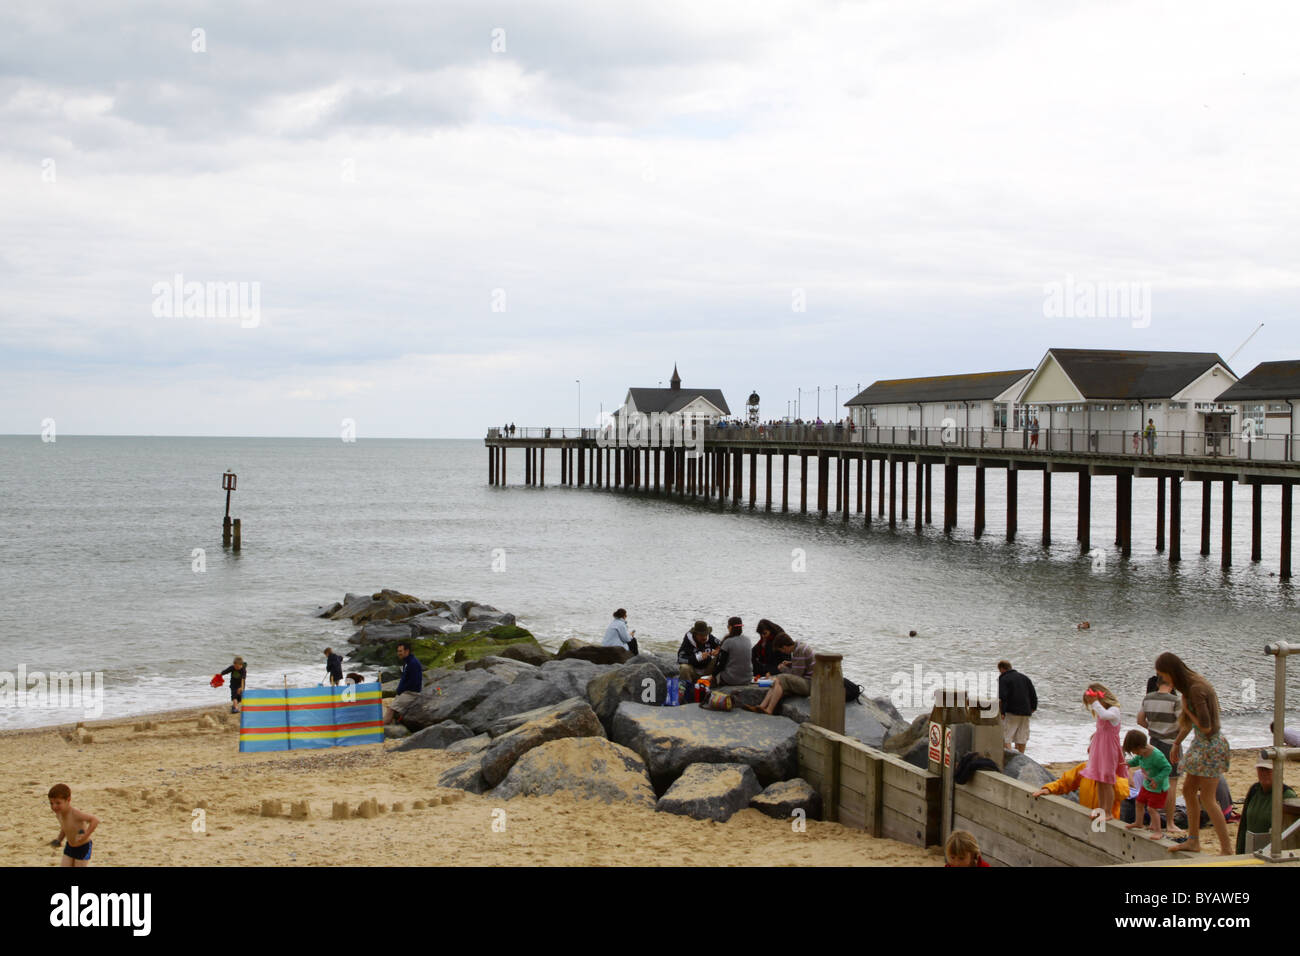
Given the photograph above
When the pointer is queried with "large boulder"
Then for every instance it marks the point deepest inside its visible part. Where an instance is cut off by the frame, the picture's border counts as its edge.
(522, 695)
(459, 696)
(571, 676)
(782, 799)
(383, 633)
(505, 668)
(329, 611)
(711, 791)
(640, 682)
(1022, 768)
(669, 739)
(901, 741)
(865, 721)
(471, 745)
(465, 776)
(528, 653)
(353, 604)
(595, 653)
(591, 767)
(432, 623)
(436, 737)
(667, 666)
(572, 718)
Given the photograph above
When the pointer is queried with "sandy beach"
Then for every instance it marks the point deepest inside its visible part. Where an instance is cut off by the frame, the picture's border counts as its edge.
(144, 785)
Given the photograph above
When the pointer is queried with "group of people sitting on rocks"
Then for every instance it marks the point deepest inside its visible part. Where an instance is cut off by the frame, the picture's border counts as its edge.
(736, 661)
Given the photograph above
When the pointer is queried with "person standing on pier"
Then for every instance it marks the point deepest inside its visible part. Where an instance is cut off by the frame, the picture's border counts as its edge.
(617, 634)
(1017, 702)
(1150, 434)
(1033, 433)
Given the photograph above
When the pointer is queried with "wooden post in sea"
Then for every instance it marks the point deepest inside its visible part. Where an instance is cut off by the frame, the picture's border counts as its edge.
(1207, 497)
(235, 542)
(228, 481)
(1160, 513)
(1175, 519)
(1256, 506)
(1227, 523)
(828, 692)
(1284, 573)
(920, 483)
(1085, 510)
(1047, 505)
(1013, 500)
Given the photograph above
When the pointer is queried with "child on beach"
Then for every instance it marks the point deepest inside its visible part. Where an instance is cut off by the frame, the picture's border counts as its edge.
(962, 850)
(238, 672)
(74, 825)
(1155, 779)
(1104, 750)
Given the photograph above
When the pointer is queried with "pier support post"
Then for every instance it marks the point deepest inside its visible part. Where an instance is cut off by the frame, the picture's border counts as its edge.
(1085, 510)
(1013, 501)
(920, 482)
(929, 484)
(502, 476)
(979, 501)
(847, 464)
(541, 467)
(861, 457)
(582, 466)
(882, 488)
(949, 498)
(1256, 507)
(893, 477)
(827, 703)
(803, 483)
(1175, 520)
(823, 482)
(1047, 508)
(618, 467)
(1207, 494)
(738, 484)
(767, 477)
(902, 499)
(1124, 503)
(839, 478)
(1227, 523)
(866, 479)
(564, 465)
(528, 467)
(656, 454)
(1160, 513)
(492, 461)
(785, 482)
(1284, 573)
(753, 479)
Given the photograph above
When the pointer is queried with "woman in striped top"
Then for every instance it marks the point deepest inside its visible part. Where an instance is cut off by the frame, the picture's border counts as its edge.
(795, 678)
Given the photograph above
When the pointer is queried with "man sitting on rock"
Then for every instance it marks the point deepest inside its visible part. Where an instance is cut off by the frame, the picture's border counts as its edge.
(698, 653)
(412, 677)
(795, 679)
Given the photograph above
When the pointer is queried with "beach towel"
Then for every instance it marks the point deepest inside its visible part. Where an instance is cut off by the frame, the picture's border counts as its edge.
(306, 718)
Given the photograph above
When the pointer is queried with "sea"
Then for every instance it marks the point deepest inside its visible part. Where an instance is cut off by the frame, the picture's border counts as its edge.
(111, 564)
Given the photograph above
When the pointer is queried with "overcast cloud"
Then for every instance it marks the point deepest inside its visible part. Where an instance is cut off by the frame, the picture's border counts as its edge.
(627, 188)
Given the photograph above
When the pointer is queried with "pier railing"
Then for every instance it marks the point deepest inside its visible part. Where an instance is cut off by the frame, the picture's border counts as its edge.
(1111, 442)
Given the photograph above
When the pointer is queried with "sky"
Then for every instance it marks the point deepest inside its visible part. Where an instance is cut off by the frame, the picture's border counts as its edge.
(440, 217)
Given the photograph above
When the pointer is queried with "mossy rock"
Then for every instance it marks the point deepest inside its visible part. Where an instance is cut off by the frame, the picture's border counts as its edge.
(462, 647)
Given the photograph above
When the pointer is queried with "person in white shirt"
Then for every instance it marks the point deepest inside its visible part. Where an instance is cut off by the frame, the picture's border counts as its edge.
(617, 634)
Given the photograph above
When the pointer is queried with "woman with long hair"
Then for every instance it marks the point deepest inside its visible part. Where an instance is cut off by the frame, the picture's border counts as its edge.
(765, 657)
(1208, 758)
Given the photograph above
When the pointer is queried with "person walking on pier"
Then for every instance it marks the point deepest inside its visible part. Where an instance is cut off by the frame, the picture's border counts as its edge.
(1017, 701)
(1033, 433)
(1208, 757)
(617, 634)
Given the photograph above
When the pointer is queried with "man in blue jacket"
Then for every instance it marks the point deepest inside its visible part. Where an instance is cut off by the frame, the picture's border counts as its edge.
(412, 677)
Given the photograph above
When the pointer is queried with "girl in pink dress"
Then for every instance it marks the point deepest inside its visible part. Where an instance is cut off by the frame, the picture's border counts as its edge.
(1104, 753)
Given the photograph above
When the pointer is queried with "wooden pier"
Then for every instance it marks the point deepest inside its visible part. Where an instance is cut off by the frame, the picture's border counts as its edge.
(713, 468)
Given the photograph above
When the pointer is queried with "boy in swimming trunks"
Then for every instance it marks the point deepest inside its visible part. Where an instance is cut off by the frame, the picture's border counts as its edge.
(75, 826)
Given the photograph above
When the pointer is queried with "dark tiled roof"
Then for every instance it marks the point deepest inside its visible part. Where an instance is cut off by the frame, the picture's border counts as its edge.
(1133, 375)
(1265, 381)
(674, 399)
(979, 386)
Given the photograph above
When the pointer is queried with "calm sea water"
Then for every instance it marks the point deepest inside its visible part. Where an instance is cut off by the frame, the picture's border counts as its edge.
(96, 573)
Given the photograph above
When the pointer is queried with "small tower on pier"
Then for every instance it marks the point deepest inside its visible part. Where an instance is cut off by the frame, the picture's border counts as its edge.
(751, 409)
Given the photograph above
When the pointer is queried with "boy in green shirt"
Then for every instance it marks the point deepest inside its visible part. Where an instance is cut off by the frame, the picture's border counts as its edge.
(1155, 779)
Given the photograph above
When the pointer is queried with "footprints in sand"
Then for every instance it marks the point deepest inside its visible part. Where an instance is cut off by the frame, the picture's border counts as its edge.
(171, 797)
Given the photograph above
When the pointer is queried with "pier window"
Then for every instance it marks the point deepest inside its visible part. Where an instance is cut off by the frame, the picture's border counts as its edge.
(1178, 406)
(999, 414)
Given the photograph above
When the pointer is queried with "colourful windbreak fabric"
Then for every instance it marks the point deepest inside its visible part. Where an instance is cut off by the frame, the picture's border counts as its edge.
(305, 718)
